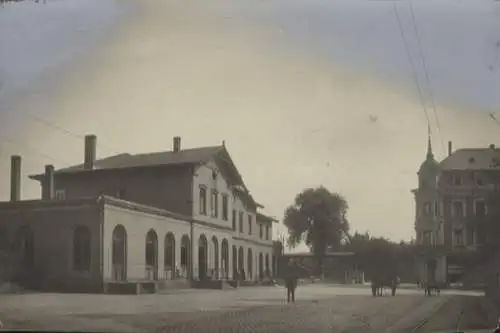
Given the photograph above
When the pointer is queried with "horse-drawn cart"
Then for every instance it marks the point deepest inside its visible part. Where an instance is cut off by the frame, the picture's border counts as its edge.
(379, 283)
(432, 286)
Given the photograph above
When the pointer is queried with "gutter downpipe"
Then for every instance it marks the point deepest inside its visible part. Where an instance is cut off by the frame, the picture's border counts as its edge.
(191, 231)
(100, 209)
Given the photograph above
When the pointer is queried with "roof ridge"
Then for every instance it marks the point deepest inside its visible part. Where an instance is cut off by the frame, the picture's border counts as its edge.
(182, 150)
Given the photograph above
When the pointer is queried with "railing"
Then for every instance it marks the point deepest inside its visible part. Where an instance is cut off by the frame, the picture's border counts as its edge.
(151, 273)
(169, 274)
(118, 272)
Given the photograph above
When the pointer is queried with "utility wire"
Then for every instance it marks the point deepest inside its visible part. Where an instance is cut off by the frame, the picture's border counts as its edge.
(14, 143)
(410, 60)
(426, 72)
(62, 129)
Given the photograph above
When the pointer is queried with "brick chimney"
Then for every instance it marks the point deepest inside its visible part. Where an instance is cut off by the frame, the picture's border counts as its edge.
(90, 152)
(177, 144)
(48, 183)
(15, 178)
(450, 150)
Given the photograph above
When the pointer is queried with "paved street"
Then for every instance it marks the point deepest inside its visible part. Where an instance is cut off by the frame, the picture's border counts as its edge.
(321, 308)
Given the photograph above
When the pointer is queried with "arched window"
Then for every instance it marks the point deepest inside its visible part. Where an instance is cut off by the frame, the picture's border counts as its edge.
(81, 249)
(169, 256)
(151, 255)
(119, 253)
(250, 263)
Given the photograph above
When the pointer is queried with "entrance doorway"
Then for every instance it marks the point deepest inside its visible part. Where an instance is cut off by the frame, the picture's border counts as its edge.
(119, 254)
(202, 257)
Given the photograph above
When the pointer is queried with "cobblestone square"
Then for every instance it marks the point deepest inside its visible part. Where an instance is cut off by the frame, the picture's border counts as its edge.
(321, 308)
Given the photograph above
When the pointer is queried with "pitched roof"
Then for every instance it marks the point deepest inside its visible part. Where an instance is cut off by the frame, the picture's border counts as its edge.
(265, 218)
(169, 158)
(122, 161)
(472, 159)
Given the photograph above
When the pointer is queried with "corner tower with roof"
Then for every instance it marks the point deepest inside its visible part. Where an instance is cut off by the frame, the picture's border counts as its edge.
(429, 227)
(454, 204)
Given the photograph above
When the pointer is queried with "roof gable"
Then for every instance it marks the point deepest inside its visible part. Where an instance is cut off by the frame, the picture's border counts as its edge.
(233, 176)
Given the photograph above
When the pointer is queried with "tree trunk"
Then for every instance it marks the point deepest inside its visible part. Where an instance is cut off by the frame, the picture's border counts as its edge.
(320, 268)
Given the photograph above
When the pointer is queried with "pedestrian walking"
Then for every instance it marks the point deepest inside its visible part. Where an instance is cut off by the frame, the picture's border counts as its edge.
(291, 277)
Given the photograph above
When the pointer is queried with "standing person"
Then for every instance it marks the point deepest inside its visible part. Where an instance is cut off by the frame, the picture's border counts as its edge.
(291, 276)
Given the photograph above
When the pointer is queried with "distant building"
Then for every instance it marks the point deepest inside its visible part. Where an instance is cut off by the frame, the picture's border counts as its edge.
(453, 204)
(182, 215)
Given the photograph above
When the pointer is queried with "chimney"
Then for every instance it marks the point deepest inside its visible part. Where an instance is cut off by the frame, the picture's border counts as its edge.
(48, 183)
(90, 148)
(449, 148)
(15, 178)
(177, 144)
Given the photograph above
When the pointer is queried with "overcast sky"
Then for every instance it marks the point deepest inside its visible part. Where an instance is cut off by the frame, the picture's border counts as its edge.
(304, 92)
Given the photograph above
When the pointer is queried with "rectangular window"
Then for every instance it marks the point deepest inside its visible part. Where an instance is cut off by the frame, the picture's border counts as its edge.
(427, 238)
(234, 219)
(214, 204)
(241, 221)
(268, 228)
(60, 195)
(436, 208)
(203, 200)
(480, 208)
(479, 179)
(458, 209)
(470, 235)
(458, 237)
(249, 224)
(225, 207)
(427, 208)
(457, 180)
(261, 231)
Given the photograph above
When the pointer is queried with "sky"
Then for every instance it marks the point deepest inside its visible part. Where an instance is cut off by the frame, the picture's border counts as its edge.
(304, 93)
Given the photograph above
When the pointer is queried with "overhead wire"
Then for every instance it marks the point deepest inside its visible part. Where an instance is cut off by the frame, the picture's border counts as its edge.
(493, 67)
(426, 73)
(29, 148)
(62, 129)
(413, 68)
